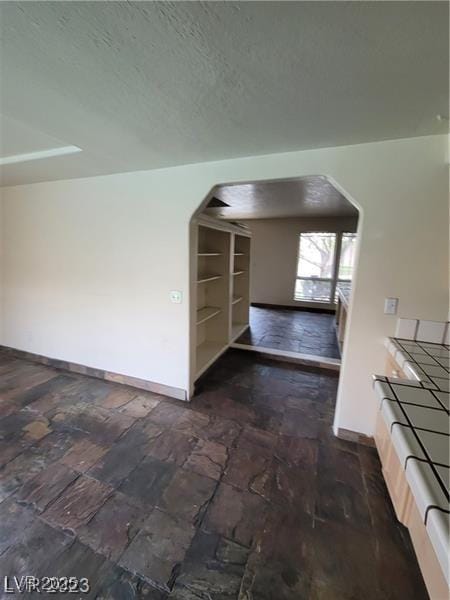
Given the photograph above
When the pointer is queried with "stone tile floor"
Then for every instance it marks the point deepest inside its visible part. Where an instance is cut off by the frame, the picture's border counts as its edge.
(293, 330)
(243, 494)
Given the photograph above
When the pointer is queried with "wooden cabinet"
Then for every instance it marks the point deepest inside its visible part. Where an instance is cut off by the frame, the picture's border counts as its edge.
(408, 514)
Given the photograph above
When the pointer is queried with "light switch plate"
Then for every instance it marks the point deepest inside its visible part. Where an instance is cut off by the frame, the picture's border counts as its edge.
(390, 306)
(176, 296)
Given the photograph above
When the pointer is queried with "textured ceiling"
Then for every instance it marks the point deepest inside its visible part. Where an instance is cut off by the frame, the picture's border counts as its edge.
(140, 85)
(312, 196)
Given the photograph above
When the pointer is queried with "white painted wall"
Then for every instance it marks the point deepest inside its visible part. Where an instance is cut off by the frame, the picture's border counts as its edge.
(274, 255)
(88, 263)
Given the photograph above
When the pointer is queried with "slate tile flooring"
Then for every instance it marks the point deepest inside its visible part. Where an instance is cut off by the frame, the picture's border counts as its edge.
(243, 494)
(293, 330)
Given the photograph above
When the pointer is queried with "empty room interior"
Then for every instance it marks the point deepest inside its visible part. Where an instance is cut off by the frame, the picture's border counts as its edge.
(224, 300)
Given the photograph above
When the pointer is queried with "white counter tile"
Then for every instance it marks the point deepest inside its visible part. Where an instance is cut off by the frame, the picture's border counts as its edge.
(431, 331)
(436, 445)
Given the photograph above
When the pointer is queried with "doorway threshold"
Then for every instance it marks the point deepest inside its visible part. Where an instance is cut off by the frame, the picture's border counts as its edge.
(310, 360)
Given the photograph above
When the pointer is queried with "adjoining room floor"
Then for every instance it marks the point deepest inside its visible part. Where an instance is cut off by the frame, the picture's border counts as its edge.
(244, 493)
(293, 330)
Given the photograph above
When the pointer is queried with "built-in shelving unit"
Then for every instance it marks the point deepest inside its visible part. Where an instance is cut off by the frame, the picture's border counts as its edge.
(206, 278)
(206, 313)
(240, 286)
(220, 289)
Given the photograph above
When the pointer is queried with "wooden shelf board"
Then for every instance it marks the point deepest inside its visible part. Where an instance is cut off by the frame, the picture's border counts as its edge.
(239, 253)
(206, 313)
(237, 329)
(236, 299)
(206, 278)
(209, 254)
(238, 272)
(207, 353)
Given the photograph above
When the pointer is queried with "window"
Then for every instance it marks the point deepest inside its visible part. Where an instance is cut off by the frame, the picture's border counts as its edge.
(346, 261)
(319, 254)
(315, 267)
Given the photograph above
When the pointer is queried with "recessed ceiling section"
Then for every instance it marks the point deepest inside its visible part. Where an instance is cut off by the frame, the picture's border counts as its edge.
(312, 196)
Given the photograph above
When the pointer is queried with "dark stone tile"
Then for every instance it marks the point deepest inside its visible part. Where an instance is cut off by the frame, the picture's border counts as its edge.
(12, 426)
(350, 571)
(299, 452)
(310, 523)
(9, 450)
(117, 397)
(209, 428)
(82, 455)
(40, 543)
(15, 521)
(147, 482)
(125, 455)
(46, 486)
(219, 403)
(25, 466)
(55, 383)
(107, 432)
(254, 439)
(338, 501)
(207, 458)
(294, 489)
(77, 560)
(119, 584)
(158, 549)
(280, 566)
(235, 514)
(300, 423)
(113, 526)
(167, 414)
(81, 416)
(341, 494)
(213, 568)
(173, 446)
(141, 405)
(78, 503)
(247, 467)
(187, 495)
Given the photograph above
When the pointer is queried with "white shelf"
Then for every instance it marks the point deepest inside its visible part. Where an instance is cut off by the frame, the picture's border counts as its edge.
(206, 313)
(207, 353)
(222, 307)
(205, 278)
(237, 329)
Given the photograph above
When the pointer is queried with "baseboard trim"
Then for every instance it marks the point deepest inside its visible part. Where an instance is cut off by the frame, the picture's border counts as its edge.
(135, 382)
(313, 309)
(309, 360)
(354, 436)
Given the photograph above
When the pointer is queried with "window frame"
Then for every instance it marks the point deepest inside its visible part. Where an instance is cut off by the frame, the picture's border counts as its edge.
(334, 279)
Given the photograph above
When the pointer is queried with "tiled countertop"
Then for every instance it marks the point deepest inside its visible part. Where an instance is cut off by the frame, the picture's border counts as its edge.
(416, 412)
(422, 361)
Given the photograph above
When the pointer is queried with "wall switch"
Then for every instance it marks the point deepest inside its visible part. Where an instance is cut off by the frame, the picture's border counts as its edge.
(176, 297)
(390, 306)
